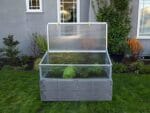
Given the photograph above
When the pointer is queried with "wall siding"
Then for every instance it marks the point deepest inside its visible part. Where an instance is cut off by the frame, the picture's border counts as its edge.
(134, 23)
(15, 20)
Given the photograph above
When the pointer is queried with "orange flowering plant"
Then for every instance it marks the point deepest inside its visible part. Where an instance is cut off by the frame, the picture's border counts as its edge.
(135, 46)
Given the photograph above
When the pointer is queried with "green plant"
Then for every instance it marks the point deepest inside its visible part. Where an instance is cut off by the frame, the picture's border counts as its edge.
(27, 62)
(40, 42)
(1, 61)
(136, 66)
(7, 67)
(10, 50)
(145, 69)
(119, 68)
(69, 72)
(55, 72)
(95, 71)
(1, 52)
(90, 72)
(116, 14)
(36, 64)
(82, 72)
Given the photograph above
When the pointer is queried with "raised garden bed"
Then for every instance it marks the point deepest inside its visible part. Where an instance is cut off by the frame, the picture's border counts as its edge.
(73, 69)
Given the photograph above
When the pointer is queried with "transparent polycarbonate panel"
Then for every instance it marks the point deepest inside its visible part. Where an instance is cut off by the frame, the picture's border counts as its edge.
(77, 37)
(75, 72)
(76, 58)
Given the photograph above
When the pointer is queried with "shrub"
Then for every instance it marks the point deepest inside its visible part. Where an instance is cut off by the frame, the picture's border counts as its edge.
(27, 62)
(69, 72)
(119, 68)
(10, 50)
(1, 61)
(1, 52)
(40, 42)
(136, 66)
(135, 47)
(36, 64)
(7, 67)
(145, 69)
(116, 14)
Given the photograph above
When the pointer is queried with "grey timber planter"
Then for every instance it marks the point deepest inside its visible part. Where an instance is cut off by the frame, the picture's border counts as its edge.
(76, 89)
(86, 46)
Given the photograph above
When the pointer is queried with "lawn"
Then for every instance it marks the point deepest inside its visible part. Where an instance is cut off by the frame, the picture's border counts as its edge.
(19, 93)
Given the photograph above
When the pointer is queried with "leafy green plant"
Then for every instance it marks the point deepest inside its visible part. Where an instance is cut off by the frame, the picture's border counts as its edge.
(119, 68)
(36, 64)
(10, 50)
(55, 72)
(90, 72)
(69, 72)
(40, 42)
(116, 14)
(82, 72)
(95, 71)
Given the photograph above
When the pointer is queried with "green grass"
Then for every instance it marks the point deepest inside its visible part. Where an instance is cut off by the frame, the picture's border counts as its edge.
(19, 93)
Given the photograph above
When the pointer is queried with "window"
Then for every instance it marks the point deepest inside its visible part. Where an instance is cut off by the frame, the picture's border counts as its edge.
(68, 11)
(34, 5)
(144, 19)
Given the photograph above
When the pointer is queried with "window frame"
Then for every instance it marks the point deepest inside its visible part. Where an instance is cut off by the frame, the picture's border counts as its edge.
(59, 13)
(34, 10)
(138, 26)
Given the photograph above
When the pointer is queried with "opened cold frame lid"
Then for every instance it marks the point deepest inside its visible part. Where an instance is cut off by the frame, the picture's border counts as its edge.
(77, 37)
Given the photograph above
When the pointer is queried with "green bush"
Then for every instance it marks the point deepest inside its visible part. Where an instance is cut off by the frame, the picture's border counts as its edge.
(69, 72)
(7, 67)
(36, 64)
(136, 66)
(40, 42)
(119, 68)
(116, 14)
(27, 62)
(145, 69)
(10, 49)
